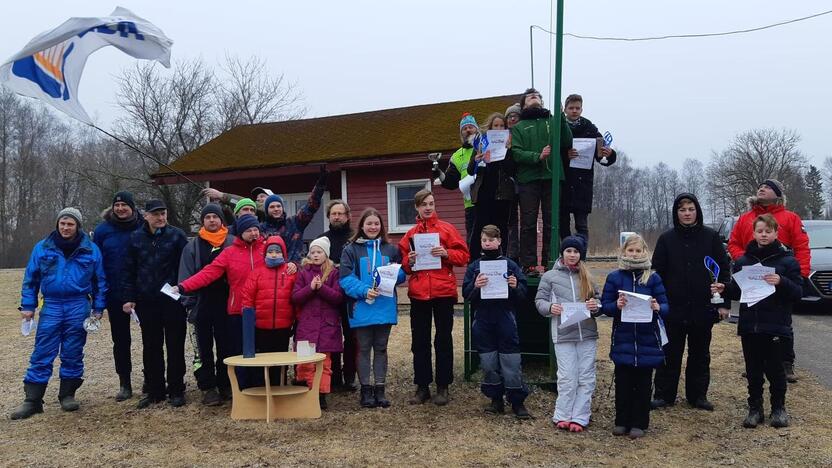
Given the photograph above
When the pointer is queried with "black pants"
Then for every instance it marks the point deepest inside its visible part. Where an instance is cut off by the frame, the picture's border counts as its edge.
(345, 372)
(763, 356)
(270, 341)
(581, 224)
(470, 214)
(513, 243)
(698, 370)
(163, 333)
(120, 333)
(535, 197)
(212, 327)
(494, 212)
(632, 396)
(441, 311)
(787, 347)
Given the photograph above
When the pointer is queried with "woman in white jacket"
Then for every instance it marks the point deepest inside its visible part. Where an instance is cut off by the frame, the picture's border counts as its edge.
(567, 282)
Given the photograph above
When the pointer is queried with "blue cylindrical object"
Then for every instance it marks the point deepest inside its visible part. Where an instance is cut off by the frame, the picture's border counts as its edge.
(248, 332)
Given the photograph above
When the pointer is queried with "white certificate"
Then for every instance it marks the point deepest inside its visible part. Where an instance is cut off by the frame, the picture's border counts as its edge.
(465, 186)
(586, 153)
(750, 280)
(389, 274)
(497, 285)
(423, 244)
(497, 144)
(638, 308)
(168, 290)
(573, 312)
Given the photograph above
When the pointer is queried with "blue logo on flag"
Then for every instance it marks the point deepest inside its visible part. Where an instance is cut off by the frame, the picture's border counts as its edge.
(46, 69)
(607, 139)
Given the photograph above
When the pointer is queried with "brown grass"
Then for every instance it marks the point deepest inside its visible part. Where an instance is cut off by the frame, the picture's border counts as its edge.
(106, 433)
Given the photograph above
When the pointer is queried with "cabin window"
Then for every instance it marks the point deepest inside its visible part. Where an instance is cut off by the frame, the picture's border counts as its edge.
(401, 211)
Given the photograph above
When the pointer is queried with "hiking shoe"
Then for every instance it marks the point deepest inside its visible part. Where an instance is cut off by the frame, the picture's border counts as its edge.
(636, 433)
(381, 400)
(779, 417)
(148, 400)
(177, 400)
(421, 395)
(619, 431)
(660, 403)
(755, 417)
(125, 389)
(211, 397)
(703, 403)
(520, 411)
(367, 399)
(497, 406)
(441, 398)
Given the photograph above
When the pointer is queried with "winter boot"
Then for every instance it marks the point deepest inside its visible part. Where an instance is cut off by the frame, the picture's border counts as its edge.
(33, 403)
(226, 394)
(211, 397)
(125, 389)
(367, 400)
(349, 383)
(441, 398)
(779, 417)
(520, 411)
(422, 395)
(66, 394)
(381, 400)
(497, 406)
(322, 401)
(755, 415)
(791, 377)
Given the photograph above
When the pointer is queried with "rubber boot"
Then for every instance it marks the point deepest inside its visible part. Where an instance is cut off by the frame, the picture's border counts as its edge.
(381, 400)
(32, 403)
(421, 395)
(66, 394)
(125, 389)
(755, 414)
(367, 400)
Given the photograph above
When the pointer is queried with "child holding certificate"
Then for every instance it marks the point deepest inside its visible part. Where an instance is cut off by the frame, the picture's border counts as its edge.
(764, 324)
(636, 347)
(495, 327)
(567, 295)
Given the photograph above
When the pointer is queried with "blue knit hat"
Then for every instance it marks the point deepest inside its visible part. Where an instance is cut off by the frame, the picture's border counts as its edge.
(575, 242)
(245, 222)
(271, 199)
(467, 119)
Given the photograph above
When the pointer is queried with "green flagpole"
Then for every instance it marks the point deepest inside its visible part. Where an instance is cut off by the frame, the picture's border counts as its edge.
(556, 137)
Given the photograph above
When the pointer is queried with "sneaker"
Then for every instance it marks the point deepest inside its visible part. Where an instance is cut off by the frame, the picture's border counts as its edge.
(562, 425)
(211, 397)
(497, 406)
(619, 431)
(575, 427)
(520, 411)
(636, 433)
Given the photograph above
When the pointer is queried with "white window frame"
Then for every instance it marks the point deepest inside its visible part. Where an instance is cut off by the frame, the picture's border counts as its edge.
(289, 200)
(393, 206)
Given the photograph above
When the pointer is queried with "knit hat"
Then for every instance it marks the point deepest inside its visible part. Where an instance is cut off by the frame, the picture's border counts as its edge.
(125, 197)
(274, 248)
(245, 222)
(244, 202)
(467, 119)
(211, 208)
(774, 185)
(576, 243)
(513, 109)
(322, 243)
(69, 212)
(273, 198)
(526, 93)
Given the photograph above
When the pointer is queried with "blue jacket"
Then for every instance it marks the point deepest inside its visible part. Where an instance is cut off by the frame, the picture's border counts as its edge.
(59, 278)
(634, 344)
(516, 296)
(358, 261)
(112, 238)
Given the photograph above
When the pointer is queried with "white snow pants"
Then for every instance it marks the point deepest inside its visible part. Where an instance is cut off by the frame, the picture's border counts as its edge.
(576, 381)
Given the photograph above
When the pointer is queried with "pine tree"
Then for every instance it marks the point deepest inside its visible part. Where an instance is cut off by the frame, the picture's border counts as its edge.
(814, 193)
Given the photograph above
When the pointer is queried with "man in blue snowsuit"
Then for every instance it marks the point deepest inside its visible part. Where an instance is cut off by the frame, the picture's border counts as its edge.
(67, 269)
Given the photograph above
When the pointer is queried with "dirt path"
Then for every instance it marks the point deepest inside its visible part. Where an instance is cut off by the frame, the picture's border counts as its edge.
(106, 433)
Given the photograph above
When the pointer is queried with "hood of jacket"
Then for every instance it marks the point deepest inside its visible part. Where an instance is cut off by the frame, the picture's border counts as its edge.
(531, 113)
(700, 218)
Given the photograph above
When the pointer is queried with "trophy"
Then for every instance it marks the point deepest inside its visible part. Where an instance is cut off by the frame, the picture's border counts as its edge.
(713, 269)
(376, 282)
(434, 158)
(607, 143)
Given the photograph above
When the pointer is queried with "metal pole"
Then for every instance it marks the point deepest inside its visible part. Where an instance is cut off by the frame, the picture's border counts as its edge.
(531, 52)
(556, 137)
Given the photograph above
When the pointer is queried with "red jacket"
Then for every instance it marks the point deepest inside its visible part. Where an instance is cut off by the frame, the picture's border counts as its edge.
(431, 284)
(269, 292)
(790, 232)
(236, 261)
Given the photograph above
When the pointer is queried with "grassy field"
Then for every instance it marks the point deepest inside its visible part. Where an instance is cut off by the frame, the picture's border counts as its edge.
(107, 433)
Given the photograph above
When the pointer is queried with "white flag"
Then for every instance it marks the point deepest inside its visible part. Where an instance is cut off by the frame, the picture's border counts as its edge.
(50, 66)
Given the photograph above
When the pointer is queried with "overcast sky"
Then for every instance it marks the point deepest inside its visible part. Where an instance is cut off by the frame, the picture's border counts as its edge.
(663, 100)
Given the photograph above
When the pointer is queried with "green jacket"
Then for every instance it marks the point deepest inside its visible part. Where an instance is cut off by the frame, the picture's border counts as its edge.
(458, 170)
(528, 138)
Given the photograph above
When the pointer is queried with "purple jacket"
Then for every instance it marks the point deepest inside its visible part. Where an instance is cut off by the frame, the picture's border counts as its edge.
(319, 312)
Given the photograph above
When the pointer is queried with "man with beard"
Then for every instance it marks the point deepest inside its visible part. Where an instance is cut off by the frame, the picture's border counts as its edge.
(771, 199)
(530, 149)
(207, 310)
(338, 213)
(456, 175)
(112, 237)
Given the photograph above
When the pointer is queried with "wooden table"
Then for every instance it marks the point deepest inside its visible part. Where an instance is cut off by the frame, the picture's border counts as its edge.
(279, 401)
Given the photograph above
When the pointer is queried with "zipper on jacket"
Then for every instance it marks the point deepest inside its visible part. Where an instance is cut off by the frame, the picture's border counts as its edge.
(574, 299)
(635, 326)
(274, 303)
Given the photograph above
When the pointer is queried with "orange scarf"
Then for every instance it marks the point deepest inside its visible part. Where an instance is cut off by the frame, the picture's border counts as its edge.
(216, 239)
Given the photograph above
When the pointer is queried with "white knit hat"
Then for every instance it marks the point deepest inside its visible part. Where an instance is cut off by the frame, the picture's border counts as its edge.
(322, 243)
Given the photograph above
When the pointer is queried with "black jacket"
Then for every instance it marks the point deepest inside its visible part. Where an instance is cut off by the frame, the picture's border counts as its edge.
(577, 189)
(495, 181)
(338, 238)
(772, 315)
(679, 258)
(151, 261)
